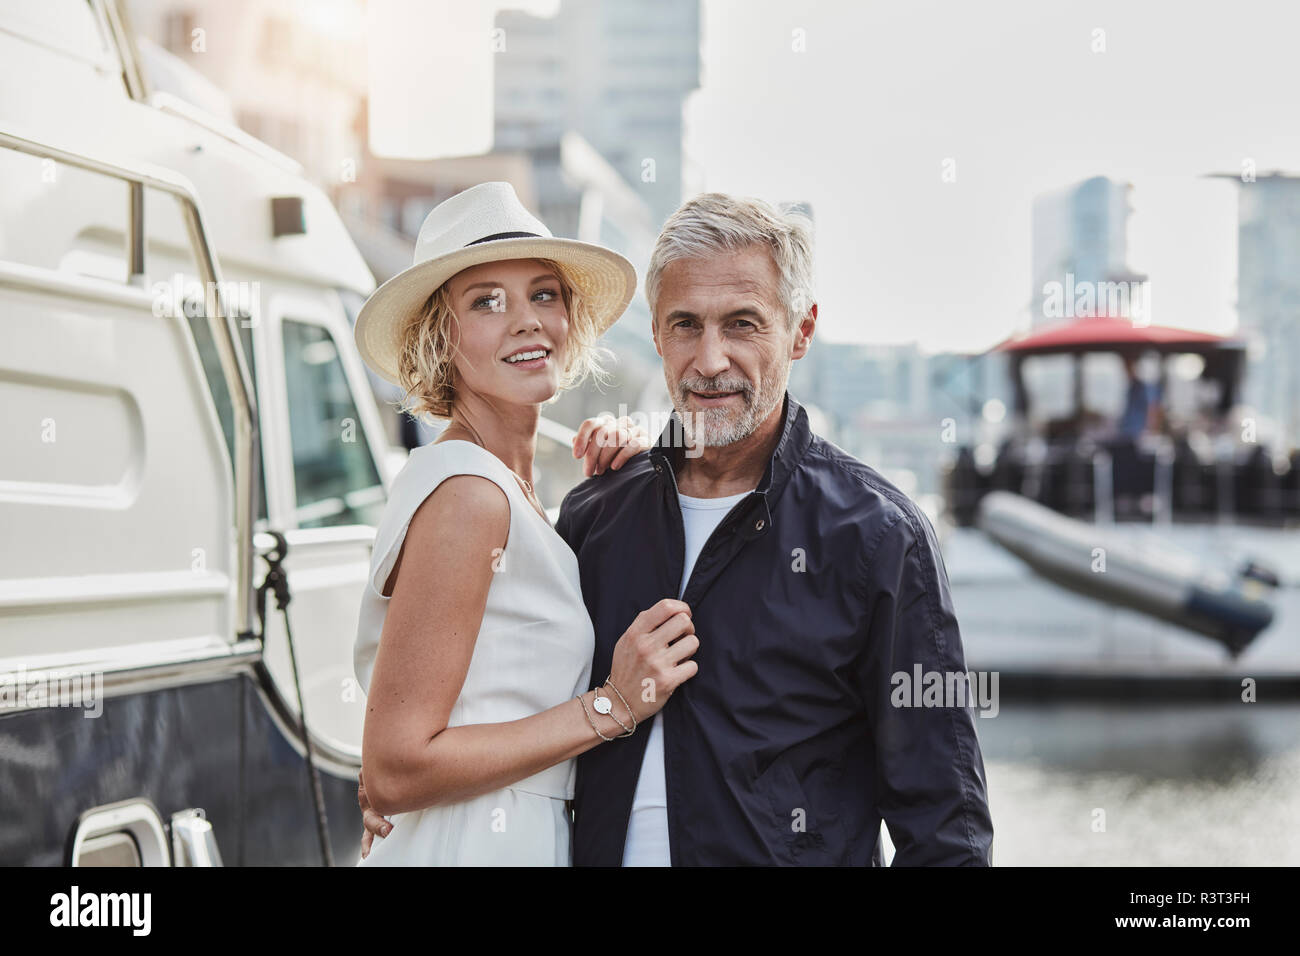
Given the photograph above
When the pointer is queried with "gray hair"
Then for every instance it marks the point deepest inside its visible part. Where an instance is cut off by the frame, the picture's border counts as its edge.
(715, 222)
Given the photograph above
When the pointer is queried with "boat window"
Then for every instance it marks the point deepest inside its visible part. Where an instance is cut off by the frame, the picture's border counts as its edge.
(397, 424)
(1105, 386)
(1049, 386)
(211, 362)
(174, 286)
(335, 476)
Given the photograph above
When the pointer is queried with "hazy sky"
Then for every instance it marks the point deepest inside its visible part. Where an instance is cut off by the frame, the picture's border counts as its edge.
(861, 122)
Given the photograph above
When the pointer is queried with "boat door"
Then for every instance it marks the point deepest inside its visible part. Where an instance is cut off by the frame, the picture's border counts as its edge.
(325, 446)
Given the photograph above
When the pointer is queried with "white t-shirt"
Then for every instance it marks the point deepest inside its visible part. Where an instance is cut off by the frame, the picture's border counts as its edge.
(647, 828)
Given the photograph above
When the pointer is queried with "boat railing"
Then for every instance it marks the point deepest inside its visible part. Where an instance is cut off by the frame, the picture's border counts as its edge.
(1103, 482)
(1160, 479)
(234, 367)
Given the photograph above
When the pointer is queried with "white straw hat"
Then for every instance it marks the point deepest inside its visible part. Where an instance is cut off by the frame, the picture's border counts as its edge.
(485, 223)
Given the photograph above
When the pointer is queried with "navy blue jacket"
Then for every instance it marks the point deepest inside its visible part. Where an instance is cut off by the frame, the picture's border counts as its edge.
(784, 748)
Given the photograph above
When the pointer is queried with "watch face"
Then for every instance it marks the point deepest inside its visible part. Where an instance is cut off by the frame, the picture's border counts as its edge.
(602, 705)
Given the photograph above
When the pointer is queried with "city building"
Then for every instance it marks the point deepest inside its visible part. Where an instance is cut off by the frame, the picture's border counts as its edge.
(615, 71)
(1080, 241)
(1268, 301)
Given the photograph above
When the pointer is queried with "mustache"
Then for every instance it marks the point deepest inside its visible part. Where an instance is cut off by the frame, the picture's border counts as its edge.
(716, 384)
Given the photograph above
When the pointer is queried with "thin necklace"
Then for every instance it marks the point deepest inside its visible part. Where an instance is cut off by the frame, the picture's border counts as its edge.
(528, 485)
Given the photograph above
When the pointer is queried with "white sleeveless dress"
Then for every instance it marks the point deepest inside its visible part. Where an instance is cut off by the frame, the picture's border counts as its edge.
(533, 651)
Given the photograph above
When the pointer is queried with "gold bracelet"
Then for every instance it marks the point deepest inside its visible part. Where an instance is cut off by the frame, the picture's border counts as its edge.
(592, 722)
(610, 681)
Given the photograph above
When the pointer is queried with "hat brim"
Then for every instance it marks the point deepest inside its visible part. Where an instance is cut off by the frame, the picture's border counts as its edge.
(606, 279)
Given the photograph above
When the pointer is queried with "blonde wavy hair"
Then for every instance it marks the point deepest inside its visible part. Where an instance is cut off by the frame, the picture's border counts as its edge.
(425, 361)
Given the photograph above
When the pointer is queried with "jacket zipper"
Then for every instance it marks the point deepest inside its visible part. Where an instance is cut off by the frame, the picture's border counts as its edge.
(680, 528)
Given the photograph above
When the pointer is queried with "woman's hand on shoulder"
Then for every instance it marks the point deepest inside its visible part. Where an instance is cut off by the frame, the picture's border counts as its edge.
(608, 442)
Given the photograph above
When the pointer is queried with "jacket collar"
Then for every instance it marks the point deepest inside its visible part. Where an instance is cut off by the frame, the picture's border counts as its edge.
(796, 436)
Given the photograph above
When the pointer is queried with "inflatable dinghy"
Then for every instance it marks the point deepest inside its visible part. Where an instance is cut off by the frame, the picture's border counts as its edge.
(1155, 579)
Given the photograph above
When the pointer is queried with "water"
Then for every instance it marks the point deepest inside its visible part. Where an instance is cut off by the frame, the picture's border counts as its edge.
(1179, 783)
(1194, 785)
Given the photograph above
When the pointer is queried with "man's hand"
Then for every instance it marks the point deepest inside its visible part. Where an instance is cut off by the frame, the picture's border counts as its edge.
(606, 442)
(373, 822)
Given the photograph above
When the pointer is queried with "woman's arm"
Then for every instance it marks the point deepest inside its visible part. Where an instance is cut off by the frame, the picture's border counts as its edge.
(410, 758)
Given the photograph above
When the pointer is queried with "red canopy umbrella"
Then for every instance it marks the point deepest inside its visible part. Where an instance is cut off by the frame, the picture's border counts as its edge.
(1102, 333)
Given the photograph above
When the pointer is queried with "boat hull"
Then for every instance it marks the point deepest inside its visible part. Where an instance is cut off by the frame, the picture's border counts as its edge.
(178, 747)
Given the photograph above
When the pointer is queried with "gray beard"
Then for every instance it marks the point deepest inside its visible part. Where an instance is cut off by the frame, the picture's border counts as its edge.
(714, 427)
(717, 427)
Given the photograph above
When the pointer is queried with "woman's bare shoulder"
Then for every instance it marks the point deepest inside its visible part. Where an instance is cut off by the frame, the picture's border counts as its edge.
(464, 515)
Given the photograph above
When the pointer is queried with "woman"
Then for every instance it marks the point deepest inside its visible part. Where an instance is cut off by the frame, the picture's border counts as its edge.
(473, 640)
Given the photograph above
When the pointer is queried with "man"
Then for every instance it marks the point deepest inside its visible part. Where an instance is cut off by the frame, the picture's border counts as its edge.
(811, 580)
(1141, 415)
(1141, 403)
